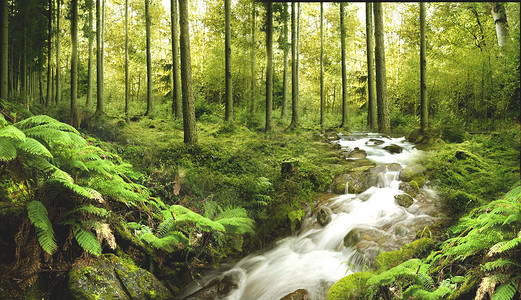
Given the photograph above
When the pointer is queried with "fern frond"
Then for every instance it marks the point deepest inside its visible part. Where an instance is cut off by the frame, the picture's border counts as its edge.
(505, 292)
(49, 135)
(7, 149)
(499, 263)
(93, 210)
(39, 163)
(514, 195)
(426, 281)
(88, 241)
(509, 245)
(37, 214)
(238, 225)
(48, 121)
(79, 190)
(12, 133)
(33, 147)
(169, 243)
(165, 227)
(3, 122)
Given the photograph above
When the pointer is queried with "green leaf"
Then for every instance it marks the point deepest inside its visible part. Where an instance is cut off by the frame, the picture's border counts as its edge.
(87, 240)
(34, 147)
(37, 214)
(12, 133)
(7, 149)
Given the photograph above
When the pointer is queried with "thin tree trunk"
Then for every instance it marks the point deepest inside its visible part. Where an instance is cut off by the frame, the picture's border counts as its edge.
(127, 83)
(284, 112)
(189, 125)
(49, 45)
(4, 57)
(252, 100)
(424, 124)
(500, 19)
(228, 62)
(269, 67)
(58, 64)
(74, 64)
(322, 100)
(344, 68)
(294, 70)
(100, 104)
(149, 59)
(24, 66)
(177, 105)
(371, 93)
(88, 103)
(384, 125)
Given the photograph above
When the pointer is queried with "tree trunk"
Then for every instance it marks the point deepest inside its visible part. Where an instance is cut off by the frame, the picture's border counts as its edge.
(294, 71)
(74, 63)
(424, 123)
(384, 125)
(49, 45)
(228, 116)
(284, 112)
(24, 65)
(189, 125)
(4, 57)
(127, 83)
(269, 67)
(177, 108)
(88, 103)
(372, 120)
(58, 64)
(100, 106)
(344, 68)
(149, 59)
(252, 100)
(500, 19)
(322, 100)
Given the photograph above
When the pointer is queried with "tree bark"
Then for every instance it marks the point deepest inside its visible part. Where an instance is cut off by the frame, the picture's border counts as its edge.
(344, 68)
(294, 71)
(252, 100)
(228, 62)
(100, 106)
(4, 57)
(284, 110)
(149, 59)
(88, 103)
(372, 120)
(177, 108)
(74, 63)
(189, 125)
(322, 100)
(424, 123)
(500, 19)
(127, 83)
(58, 63)
(384, 125)
(269, 67)
(49, 45)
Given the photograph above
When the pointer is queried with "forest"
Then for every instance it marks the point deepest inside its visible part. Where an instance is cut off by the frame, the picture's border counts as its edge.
(256, 149)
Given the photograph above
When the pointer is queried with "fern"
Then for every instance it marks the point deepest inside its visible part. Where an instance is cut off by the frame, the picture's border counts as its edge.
(505, 292)
(169, 243)
(497, 264)
(426, 281)
(93, 210)
(12, 133)
(33, 147)
(37, 214)
(7, 150)
(87, 240)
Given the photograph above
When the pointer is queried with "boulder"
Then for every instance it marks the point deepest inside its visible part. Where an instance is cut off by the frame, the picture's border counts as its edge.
(109, 277)
(404, 200)
(300, 294)
(358, 234)
(339, 184)
(361, 179)
(324, 216)
(411, 188)
(375, 142)
(394, 167)
(336, 146)
(228, 284)
(413, 173)
(357, 153)
(393, 149)
(217, 288)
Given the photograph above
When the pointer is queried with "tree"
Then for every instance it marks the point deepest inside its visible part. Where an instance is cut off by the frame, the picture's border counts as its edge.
(322, 100)
(90, 33)
(177, 108)
(127, 83)
(189, 126)
(269, 67)
(294, 71)
(384, 125)
(49, 45)
(500, 19)
(74, 64)
(424, 124)
(149, 59)
(100, 107)
(58, 62)
(372, 120)
(285, 46)
(228, 62)
(4, 41)
(252, 100)
(344, 67)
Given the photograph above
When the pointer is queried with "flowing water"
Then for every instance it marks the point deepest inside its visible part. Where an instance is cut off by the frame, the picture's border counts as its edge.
(316, 257)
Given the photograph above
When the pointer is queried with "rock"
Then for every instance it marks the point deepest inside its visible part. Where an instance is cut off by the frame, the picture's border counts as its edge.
(413, 173)
(404, 200)
(109, 277)
(393, 149)
(339, 184)
(411, 188)
(228, 283)
(324, 216)
(357, 153)
(217, 288)
(375, 142)
(300, 294)
(361, 179)
(358, 234)
(394, 167)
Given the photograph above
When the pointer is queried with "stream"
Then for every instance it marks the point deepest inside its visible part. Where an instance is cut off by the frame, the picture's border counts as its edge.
(361, 226)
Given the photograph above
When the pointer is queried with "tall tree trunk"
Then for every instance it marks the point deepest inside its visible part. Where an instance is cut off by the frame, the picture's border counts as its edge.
(74, 63)
(284, 112)
(100, 103)
(252, 100)
(88, 103)
(4, 57)
(500, 19)
(24, 64)
(127, 83)
(322, 100)
(228, 62)
(294, 70)
(372, 120)
(58, 64)
(384, 125)
(344, 68)
(149, 59)
(269, 67)
(189, 125)
(49, 45)
(177, 108)
(424, 124)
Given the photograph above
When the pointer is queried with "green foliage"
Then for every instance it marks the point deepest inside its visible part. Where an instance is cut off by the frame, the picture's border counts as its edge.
(350, 287)
(87, 240)
(387, 260)
(37, 214)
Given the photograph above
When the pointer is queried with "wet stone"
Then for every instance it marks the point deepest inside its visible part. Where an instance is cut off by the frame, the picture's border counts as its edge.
(357, 153)
(324, 216)
(404, 200)
(300, 294)
(394, 167)
(375, 142)
(393, 149)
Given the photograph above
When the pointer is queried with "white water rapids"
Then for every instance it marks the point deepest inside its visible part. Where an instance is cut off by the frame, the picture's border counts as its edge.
(315, 258)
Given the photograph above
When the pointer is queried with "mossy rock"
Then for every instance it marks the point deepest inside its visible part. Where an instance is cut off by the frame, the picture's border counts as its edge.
(110, 277)
(404, 200)
(411, 188)
(300, 294)
(350, 287)
(387, 260)
(413, 173)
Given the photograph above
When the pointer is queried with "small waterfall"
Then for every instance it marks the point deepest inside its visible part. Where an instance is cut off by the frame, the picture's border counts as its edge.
(361, 226)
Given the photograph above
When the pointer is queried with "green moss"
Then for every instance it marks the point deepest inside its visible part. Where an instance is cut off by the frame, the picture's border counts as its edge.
(415, 186)
(387, 260)
(350, 287)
